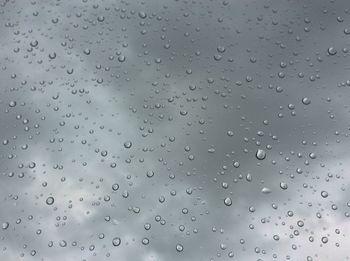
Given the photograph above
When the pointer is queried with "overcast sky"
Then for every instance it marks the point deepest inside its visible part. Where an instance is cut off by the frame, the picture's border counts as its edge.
(174, 130)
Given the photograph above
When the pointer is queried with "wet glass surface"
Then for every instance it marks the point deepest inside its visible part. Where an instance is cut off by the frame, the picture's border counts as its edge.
(174, 130)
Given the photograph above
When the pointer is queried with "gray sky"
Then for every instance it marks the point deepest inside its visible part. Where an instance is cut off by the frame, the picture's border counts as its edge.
(197, 87)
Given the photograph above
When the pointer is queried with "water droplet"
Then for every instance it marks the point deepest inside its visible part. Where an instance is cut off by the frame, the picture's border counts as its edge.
(127, 144)
(324, 194)
(179, 248)
(300, 223)
(87, 51)
(145, 241)
(115, 187)
(52, 55)
(306, 101)
(211, 150)
(331, 51)
(116, 241)
(5, 225)
(121, 58)
(142, 15)
(283, 185)
(150, 173)
(276, 237)
(260, 154)
(266, 190)
(63, 243)
(100, 18)
(312, 155)
(50, 200)
(228, 201)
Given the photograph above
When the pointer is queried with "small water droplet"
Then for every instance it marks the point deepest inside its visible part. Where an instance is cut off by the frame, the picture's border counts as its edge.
(179, 248)
(266, 190)
(331, 51)
(142, 15)
(324, 194)
(115, 187)
(306, 101)
(5, 225)
(127, 144)
(283, 185)
(121, 58)
(63, 243)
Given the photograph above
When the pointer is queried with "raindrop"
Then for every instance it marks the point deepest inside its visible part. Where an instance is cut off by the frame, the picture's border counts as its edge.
(324, 194)
(150, 173)
(306, 101)
(121, 58)
(50, 200)
(142, 15)
(260, 154)
(62, 243)
(5, 225)
(266, 190)
(145, 241)
(87, 51)
(228, 201)
(331, 51)
(115, 187)
(283, 185)
(324, 240)
(179, 248)
(127, 144)
(116, 241)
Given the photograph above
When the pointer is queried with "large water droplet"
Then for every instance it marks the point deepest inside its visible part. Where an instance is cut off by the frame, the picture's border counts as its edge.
(50, 200)
(228, 201)
(116, 241)
(260, 154)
